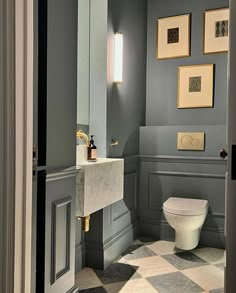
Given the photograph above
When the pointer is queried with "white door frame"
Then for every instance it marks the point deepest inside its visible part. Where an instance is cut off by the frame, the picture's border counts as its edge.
(16, 134)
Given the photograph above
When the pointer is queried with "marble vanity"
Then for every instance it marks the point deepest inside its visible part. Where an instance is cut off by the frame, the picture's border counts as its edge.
(99, 184)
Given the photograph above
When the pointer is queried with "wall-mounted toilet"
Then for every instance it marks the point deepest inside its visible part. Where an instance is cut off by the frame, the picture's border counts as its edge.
(186, 216)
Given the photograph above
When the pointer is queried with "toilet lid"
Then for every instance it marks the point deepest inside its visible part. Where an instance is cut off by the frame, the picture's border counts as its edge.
(185, 206)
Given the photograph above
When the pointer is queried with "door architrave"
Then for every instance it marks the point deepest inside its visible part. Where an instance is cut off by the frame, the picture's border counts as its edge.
(16, 134)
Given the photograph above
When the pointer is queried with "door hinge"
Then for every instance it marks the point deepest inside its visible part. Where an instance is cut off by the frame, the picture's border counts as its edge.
(35, 161)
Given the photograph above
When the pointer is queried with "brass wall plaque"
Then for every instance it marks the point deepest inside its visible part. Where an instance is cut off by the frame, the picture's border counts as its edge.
(191, 141)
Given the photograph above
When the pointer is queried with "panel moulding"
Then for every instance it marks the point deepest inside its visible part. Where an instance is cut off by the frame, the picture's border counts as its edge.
(113, 220)
(183, 159)
(180, 174)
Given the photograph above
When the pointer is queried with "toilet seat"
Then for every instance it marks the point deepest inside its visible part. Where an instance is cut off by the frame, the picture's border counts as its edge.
(185, 206)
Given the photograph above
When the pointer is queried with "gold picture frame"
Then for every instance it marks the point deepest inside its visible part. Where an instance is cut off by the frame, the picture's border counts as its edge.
(195, 86)
(216, 31)
(173, 37)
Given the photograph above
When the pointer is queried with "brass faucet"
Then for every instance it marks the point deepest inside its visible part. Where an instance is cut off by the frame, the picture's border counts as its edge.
(80, 134)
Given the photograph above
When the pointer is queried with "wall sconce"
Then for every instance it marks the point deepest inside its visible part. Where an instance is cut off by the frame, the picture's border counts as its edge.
(118, 58)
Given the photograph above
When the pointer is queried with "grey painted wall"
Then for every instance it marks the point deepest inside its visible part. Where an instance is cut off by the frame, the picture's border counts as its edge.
(165, 171)
(126, 101)
(162, 140)
(162, 74)
(114, 228)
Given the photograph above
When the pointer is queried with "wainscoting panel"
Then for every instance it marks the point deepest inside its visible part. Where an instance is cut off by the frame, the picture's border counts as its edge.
(123, 213)
(190, 177)
(129, 203)
(79, 246)
(56, 255)
(162, 185)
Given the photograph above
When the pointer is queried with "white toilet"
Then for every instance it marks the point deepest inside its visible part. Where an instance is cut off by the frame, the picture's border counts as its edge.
(186, 216)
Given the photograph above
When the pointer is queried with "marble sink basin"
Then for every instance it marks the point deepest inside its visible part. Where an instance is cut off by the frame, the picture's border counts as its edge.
(99, 184)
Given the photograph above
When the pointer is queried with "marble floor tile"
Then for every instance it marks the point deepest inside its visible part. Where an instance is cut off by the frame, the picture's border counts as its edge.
(184, 260)
(133, 286)
(163, 247)
(221, 266)
(210, 255)
(87, 278)
(114, 287)
(138, 286)
(174, 283)
(208, 277)
(137, 251)
(217, 291)
(117, 272)
(93, 290)
(137, 241)
(121, 259)
(153, 265)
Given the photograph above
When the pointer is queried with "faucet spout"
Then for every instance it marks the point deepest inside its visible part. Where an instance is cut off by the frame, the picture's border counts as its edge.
(80, 134)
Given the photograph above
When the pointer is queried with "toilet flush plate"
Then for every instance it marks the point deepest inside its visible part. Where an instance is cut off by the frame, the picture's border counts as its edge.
(192, 141)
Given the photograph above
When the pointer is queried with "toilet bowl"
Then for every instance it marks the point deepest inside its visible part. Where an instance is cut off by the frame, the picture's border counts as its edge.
(186, 216)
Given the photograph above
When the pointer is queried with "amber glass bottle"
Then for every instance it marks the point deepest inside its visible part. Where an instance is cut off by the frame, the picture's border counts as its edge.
(92, 150)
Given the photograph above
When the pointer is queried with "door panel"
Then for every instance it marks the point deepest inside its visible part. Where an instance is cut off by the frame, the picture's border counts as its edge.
(60, 236)
(56, 232)
(61, 226)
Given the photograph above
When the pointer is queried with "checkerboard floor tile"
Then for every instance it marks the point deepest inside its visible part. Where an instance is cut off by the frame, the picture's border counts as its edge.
(137, 251)
(174, 283)
(152, 266)
(149, 267)
(208, 277)
(184, 260)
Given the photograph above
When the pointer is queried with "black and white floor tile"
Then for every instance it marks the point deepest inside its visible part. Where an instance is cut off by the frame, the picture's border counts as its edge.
(151, 267)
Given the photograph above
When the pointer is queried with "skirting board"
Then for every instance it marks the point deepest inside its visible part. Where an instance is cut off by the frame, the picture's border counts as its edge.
(100, 256)
(73, 290)
(79, 257)
(210, 237)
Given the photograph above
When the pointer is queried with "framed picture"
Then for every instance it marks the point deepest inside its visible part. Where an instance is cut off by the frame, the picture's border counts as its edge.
(173, 37)
(216, 31)
(195, 86)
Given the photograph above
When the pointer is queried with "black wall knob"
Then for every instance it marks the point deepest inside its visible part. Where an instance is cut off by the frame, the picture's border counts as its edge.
(223, 154)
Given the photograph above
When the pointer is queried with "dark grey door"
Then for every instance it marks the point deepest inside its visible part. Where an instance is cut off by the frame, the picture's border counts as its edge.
(56, 140)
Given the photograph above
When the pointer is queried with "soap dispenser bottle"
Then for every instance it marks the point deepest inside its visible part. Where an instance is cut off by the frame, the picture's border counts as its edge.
(92, 150)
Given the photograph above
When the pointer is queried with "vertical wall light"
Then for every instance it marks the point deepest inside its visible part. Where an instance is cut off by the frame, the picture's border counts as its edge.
(118, 58)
